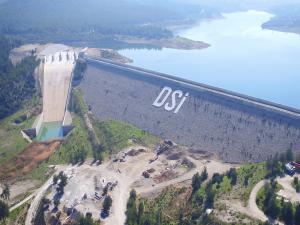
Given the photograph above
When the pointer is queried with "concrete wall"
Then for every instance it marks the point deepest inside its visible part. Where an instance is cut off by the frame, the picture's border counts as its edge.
(234, 127)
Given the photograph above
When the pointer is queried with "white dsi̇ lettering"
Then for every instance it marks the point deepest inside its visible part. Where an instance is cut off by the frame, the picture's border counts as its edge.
(181, 103)
(170, 106)
(158, 102)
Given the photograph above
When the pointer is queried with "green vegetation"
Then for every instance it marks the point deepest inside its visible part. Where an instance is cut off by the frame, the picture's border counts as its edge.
(92, 21)
(60, 181)
(275, 207)
(75, 20)
(174, 206)
(11, 141)
(17, 83)
(247, 177)
(106, 205)
(85, 220)
(296, 184)
(17, 92)
(77, 146)
(5, 195)
(14, 216)
(4, 211)
(116, 135)
(189, 205)
(275, 165)
(78, 105)
(198, 179)
(78, 72)
(179, 205)
(131, 212)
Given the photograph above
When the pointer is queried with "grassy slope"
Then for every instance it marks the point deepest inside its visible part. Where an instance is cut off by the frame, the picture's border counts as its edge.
(116, 135)
(11, 140)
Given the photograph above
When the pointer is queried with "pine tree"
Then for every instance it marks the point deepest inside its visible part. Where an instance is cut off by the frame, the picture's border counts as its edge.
(204, 174)
(297, 215)
(131, 212)
(140, 213)
(107, 204)
(289, 155)
(232, 174)
(6, 192)
(196, 182)
(287, 213)
(4, 211)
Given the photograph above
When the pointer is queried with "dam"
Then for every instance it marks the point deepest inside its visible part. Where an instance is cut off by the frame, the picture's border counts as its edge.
(236, 127)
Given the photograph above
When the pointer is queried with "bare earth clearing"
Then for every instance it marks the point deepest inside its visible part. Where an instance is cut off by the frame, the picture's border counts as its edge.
(86, 182)
(27, 160)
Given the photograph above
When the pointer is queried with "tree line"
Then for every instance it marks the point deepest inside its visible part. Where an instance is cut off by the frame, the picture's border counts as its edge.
(4, 208)
(17, 82)
(277, 208)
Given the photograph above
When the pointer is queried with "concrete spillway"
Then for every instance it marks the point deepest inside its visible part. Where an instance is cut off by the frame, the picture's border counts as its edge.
(236, 127)
(55, 80)
(58, 70)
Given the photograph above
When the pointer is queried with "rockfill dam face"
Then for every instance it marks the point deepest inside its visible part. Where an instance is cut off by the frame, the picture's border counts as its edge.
(238, 128)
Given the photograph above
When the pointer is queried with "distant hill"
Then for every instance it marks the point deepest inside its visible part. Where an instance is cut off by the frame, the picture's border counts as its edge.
(238, 5)
(57, 20)
(34, 14)
(287, 19)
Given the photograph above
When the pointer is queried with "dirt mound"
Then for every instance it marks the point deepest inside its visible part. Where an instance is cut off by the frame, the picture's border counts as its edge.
(24, 163)
(165, 176)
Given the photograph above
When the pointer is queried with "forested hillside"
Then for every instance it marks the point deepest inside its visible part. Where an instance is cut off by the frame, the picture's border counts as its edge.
(17, 83)
(287, 19)
(90, 20)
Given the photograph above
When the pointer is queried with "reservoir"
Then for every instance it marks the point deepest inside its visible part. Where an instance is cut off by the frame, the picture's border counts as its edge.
(243, 58)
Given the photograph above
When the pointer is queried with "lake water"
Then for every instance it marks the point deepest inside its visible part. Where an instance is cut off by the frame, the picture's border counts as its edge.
(243, 58)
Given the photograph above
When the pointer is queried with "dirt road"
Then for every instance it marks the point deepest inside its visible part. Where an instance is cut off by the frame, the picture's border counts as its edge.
(38, 195)
(21, 203)
(288, 191)
(252, 207)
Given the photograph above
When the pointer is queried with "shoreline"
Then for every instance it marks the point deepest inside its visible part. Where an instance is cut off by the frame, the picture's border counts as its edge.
(176, 42)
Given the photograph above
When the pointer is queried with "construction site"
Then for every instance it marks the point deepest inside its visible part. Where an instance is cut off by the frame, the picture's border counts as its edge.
(136, 168)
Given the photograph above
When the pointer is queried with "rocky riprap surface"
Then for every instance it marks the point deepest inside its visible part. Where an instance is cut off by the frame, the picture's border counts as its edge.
(236, 130)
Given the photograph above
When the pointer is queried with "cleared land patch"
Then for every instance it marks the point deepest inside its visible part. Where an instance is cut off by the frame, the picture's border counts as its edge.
(25, 162)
